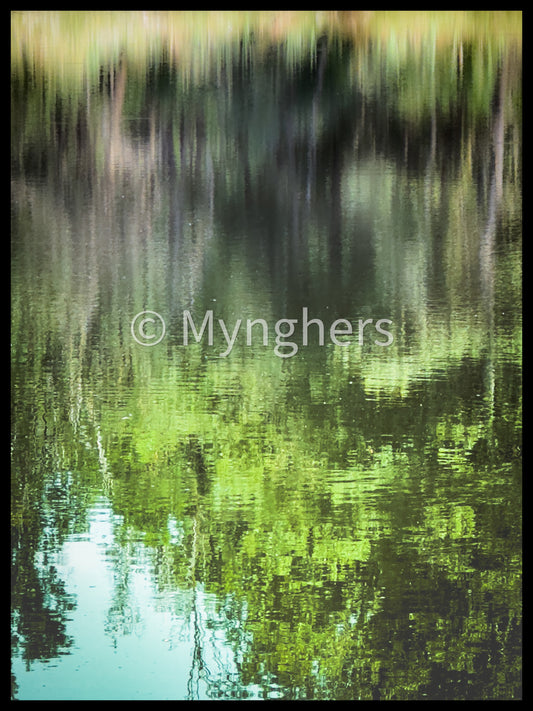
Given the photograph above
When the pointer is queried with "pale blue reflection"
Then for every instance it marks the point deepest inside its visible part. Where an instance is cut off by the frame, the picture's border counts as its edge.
(132, 641)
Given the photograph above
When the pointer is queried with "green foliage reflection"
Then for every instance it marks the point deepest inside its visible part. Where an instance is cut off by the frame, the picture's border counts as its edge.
(357, 504)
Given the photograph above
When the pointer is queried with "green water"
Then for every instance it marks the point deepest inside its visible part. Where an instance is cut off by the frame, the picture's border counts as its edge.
(238, 518)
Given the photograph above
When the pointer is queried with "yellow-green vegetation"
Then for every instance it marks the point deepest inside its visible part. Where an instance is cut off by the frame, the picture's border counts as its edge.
(360, 502)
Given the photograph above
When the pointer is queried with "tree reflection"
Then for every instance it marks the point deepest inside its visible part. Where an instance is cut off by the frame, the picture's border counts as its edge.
(350, 516)
(40, 602)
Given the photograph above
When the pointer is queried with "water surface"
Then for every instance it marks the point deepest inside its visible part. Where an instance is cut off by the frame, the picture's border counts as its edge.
(333, 519)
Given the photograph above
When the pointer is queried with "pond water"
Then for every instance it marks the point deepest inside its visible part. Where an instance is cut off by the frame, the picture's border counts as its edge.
(266, 355)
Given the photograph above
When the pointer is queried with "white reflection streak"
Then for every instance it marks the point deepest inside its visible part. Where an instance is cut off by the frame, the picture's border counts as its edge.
(102, 459)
